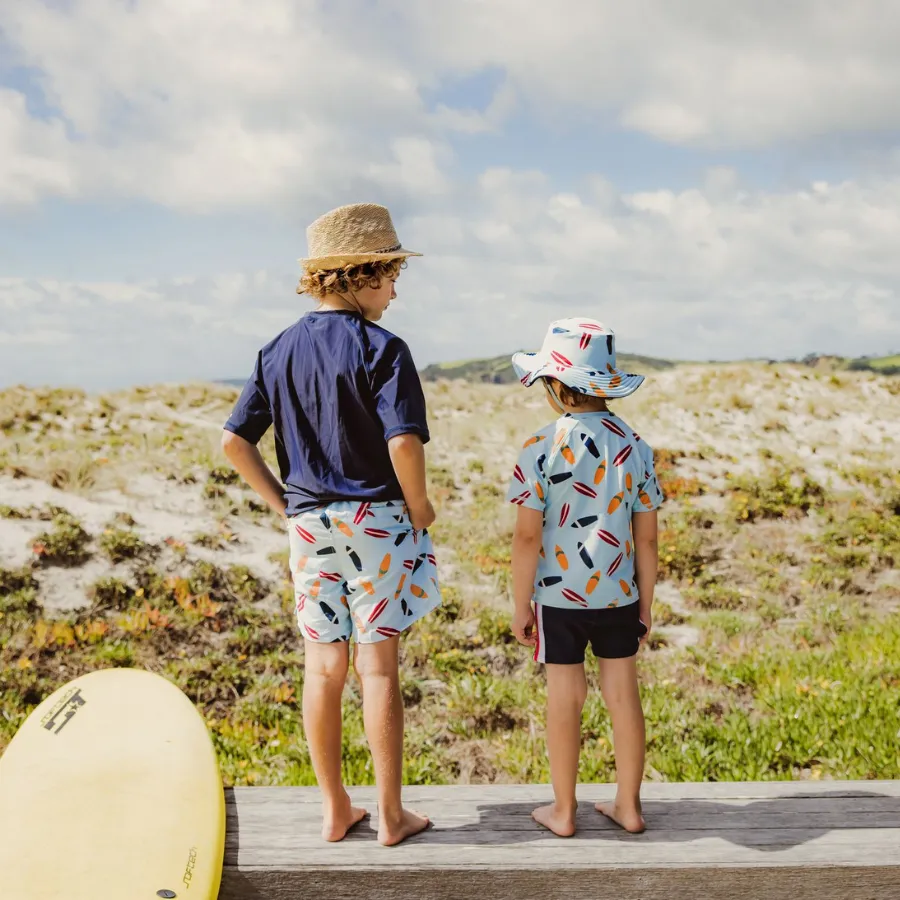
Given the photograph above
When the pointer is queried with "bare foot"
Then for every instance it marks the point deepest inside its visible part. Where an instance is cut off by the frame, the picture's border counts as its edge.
(561, 824)
(337, 822)
(393, 833)
(629, 819)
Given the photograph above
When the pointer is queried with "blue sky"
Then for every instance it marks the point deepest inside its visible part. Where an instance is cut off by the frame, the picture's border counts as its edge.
(715, 185)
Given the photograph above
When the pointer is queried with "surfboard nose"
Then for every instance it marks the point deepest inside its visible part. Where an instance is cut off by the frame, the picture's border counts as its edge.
(115, 777)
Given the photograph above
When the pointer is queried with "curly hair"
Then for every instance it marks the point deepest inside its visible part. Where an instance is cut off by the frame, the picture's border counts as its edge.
(319, 282)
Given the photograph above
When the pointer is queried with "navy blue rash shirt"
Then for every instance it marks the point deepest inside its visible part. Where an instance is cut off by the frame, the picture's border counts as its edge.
(336, 387)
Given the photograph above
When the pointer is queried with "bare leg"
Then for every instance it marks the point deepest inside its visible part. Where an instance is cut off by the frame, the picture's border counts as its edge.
(566, 693)
(377, 667)
(323, 683)
(623, 700)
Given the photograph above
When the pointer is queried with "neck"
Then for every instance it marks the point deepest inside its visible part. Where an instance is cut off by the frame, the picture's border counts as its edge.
(593, 406)
(340, 302)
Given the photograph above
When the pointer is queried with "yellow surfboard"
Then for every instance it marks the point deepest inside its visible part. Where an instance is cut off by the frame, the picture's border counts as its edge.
(110, 790)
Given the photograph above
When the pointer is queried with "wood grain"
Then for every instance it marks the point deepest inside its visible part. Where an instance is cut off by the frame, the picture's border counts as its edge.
(792, 840)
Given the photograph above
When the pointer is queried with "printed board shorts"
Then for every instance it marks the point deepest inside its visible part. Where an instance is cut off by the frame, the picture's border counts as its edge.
(360, 570)
(563, 634)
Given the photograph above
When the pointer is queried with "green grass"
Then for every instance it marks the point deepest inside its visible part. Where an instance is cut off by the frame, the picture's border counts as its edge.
(733, 709)
(886, 362)
(780, 493)
(674, 486)
(119, 544)
(883, 365)
(794, 673)
(864, 534)
(686, 546)
(64, 544)
(832, 710)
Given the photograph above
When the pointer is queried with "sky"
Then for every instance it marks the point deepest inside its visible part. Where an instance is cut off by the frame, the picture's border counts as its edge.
(713, 181)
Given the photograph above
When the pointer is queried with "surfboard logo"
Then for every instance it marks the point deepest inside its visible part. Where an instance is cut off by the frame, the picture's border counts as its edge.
(189, 870)
(66, 707)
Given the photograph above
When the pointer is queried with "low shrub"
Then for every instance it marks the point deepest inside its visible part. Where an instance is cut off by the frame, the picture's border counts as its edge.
(780, 494)
(64, 545)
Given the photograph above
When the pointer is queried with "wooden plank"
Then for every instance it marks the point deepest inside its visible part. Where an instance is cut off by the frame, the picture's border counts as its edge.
(686, 815)
(522, 883)
(698, 790)
(794, 840)
(289, 799)
(771, 847)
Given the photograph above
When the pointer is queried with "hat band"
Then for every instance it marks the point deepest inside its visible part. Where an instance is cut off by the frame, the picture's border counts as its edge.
(350, 253)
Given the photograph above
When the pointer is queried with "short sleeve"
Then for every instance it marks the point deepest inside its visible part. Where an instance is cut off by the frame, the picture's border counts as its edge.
(252, 415)
(399, 399)
(528, 486)
(650, 494)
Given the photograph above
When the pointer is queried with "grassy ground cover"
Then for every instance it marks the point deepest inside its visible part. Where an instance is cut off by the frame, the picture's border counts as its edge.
(781, 564)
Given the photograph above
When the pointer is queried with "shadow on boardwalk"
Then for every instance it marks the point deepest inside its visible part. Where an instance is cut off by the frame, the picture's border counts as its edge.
(461, 863)
(768, 825)
(773, 824)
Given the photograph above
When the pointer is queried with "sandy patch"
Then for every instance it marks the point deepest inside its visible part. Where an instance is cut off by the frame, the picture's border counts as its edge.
(161, 509)
(679, 636)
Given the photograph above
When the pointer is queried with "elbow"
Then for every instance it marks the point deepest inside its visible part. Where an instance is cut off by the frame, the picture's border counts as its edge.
(527, 540)
(403, 441)
(230, 443)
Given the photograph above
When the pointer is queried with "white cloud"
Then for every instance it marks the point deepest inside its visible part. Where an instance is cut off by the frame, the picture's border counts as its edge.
(695, 72)
(33, 154)
(473, 121)
(43, 336)
(208, 105)
(716, 271)
(415, 169)
(765, 273)
(222, 105)
(107, 334)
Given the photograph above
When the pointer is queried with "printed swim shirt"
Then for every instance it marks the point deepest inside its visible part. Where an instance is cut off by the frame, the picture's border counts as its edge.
(587, 473)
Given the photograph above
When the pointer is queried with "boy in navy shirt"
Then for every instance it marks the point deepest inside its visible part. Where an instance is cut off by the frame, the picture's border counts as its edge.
(347, 405)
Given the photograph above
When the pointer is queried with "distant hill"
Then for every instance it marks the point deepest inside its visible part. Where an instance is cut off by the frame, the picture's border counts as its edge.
(883, 365)
(499, 370)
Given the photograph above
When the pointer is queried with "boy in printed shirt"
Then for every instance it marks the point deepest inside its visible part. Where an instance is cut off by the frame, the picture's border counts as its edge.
(585, 555)
(347, 405)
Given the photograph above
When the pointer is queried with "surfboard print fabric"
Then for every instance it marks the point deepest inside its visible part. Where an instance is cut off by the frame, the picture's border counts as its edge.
(360, 570)
(588, 473)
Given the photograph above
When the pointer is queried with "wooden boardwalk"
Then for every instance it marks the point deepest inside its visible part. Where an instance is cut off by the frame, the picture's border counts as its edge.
(796, 840)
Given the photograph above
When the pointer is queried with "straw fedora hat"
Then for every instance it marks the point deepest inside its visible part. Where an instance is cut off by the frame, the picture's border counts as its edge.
(354, 234)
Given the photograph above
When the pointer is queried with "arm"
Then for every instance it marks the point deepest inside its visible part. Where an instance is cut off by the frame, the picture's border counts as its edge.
(646, 552)
(408, 458)
(250, 465)
(526, 546)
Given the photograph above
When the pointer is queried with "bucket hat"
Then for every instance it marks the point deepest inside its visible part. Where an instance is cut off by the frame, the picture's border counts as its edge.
(581, 353)
(354, 234)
